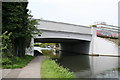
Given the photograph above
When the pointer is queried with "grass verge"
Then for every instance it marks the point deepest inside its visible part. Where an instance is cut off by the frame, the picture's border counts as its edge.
(17, 62)
(50, 69)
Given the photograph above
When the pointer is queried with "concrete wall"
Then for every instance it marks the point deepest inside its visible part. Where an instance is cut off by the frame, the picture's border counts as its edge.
(104, 47)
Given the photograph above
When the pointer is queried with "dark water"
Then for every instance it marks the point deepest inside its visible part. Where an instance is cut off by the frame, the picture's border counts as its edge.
(85, 66)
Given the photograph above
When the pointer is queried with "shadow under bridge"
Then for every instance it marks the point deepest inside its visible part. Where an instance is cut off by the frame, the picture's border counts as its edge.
(68, 45)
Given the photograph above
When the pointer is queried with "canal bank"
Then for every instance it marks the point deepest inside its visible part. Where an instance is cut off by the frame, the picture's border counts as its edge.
(50, 69)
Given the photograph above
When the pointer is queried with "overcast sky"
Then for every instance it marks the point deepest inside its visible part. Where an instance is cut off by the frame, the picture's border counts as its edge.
(82, 12)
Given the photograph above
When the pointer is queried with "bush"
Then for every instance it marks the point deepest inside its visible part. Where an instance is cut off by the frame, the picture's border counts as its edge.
(46, 52)
(16, 62)
(49, 53)
(6, 61)
(37, 44)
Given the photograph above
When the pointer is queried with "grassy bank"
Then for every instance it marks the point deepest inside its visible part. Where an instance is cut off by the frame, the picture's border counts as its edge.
(16, 62)
(50, 69)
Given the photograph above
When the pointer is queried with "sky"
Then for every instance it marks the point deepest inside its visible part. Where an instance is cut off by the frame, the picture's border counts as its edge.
(80, 12)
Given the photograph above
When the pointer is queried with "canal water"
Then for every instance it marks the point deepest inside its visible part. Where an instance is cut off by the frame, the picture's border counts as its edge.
(85, 66)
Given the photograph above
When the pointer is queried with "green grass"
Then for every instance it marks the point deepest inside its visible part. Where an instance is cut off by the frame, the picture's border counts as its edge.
(17, 62)
(50, 69)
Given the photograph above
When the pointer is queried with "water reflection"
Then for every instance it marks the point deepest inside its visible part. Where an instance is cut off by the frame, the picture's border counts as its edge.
(85, 66)
(103, 63)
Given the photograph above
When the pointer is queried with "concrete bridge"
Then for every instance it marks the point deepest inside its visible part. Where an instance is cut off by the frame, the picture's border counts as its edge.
(72, 38)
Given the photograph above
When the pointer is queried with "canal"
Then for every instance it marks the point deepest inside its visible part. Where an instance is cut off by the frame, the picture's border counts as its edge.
(85, 66)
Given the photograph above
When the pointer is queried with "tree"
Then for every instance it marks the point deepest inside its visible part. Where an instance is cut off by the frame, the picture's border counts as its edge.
(6, 45)
(16, 19)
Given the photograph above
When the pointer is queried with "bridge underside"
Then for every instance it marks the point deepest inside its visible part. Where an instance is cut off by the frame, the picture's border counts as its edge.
(68, 45)
(56, 40)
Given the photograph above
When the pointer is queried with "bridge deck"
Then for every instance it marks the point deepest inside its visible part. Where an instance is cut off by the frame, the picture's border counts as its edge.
(64, 27)
(63, 31)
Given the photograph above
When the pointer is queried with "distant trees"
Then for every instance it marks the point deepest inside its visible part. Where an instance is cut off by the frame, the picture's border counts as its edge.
(16, 19)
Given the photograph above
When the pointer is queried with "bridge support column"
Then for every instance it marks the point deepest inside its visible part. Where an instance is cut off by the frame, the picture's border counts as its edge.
(81, 47)
(92, 43)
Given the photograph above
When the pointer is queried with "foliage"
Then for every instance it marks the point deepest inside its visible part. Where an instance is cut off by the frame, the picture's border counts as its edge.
(16, 62)
(6, 45)
(49, 53)
(16, 18)
(6, 61)
(43, 45)
(6, 42)
(50, 69)
(37, 44)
